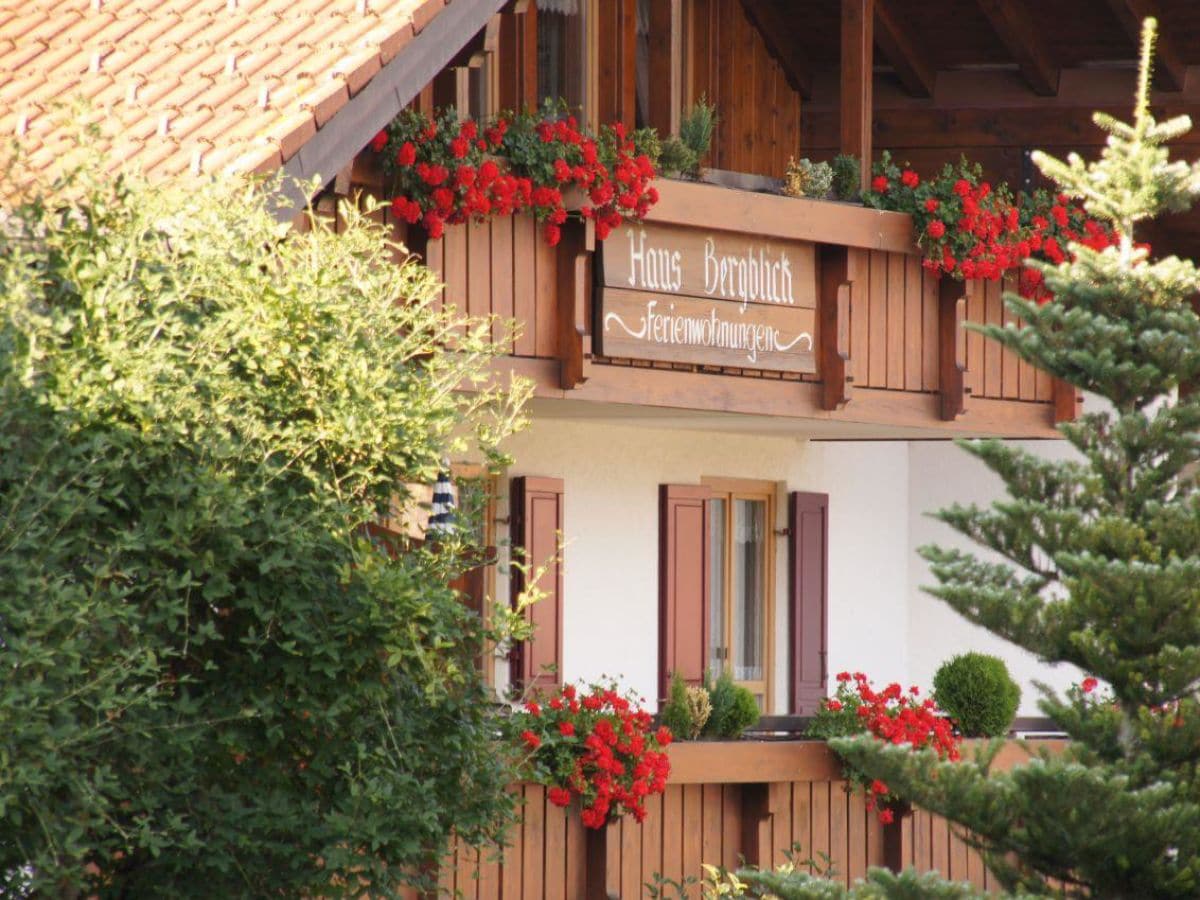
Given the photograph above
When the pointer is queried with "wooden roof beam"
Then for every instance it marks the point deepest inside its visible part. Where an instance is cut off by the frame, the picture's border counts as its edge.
(1169, 66)
(778, 36)
(896, 41)
(1022, 38)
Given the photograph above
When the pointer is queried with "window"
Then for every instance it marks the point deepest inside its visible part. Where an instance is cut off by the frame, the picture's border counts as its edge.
(561, 51)
(741, 519)
(717, 570)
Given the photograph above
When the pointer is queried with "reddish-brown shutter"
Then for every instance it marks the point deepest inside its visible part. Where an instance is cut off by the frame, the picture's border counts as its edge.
(536, 506)
(683, 583)
(808, 526)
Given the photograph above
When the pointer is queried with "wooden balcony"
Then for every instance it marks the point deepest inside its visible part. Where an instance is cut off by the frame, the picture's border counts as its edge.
(890, 356)
(724, 802)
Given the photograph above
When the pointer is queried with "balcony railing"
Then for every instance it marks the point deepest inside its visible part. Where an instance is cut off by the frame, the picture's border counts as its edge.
(725, 803)
(889, 346)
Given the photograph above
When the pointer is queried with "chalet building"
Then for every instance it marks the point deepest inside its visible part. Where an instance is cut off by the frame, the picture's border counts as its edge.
(744, 403)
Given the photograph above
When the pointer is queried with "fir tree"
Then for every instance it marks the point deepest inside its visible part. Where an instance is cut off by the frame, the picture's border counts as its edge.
(1101, 558)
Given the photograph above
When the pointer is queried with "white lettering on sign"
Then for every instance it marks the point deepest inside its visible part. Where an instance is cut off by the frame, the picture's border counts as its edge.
(653, 268)
(748, 277)
(709, 330)
(762, 273)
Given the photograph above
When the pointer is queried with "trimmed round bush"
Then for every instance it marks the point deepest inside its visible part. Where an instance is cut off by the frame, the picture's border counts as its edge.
(976, 691)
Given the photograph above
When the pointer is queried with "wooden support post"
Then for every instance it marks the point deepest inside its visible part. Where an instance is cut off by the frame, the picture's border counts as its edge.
(1067, 401)
(952, 347)
(574, 300)
(897, 840)
(858, 62)
(756, 824)
(833, 329)
(602, 878)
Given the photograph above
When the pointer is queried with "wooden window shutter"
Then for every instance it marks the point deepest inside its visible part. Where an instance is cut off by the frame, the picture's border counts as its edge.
(683, 558)
(808, 590)
(536, 506)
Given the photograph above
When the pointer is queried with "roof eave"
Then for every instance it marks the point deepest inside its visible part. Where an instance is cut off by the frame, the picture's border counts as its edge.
(351, 128)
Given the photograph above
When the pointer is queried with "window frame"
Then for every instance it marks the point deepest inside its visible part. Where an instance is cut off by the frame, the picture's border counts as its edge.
(729, 490)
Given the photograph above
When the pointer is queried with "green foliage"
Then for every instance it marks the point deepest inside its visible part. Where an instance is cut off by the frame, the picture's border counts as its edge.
(646, 141)
(687, 709)
(681, 156)
(846, 175)
(793, 881)
(976, 690)
(734, 709)
(214, 684)
(1098, 561)
(839, 718)
(805, 178)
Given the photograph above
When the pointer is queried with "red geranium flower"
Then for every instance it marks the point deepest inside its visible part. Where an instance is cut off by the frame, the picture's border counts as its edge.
(407, 154)
(379, 141)
(559, 796)
(936, 229)
(1089, 684)
(909, 178)
(879, 184)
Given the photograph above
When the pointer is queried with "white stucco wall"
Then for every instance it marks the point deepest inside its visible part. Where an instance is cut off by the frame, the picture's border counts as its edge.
(610, 577)
(941, 473)
(880, 621)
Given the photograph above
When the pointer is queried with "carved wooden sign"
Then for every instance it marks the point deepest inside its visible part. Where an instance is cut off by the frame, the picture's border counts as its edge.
(710, 298)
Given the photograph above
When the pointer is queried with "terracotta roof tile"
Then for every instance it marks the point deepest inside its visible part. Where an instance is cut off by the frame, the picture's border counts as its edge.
(357, 70)
(179, 85)
(325, 99)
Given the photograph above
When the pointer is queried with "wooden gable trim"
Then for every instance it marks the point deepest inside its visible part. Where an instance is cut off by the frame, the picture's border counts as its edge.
(777, 36)
(896, 41)
(336, 144)
(1022, 37)
(1169, 67)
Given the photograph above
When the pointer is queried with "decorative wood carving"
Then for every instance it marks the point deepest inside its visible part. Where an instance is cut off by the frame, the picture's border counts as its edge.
(833, 331)
(573, 290)
(1067, 401)
(952, 347)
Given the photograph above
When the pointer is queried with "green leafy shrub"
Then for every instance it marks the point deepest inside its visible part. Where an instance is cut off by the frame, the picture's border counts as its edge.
(214, 684)
(681, 156)
(976, 691)
(734, 709)
(677, 712)
(846, 177)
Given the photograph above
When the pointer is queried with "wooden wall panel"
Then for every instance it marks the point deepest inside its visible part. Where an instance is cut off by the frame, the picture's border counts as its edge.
(759, 112)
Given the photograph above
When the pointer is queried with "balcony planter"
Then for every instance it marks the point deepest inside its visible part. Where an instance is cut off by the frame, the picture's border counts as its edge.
(789, 218)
